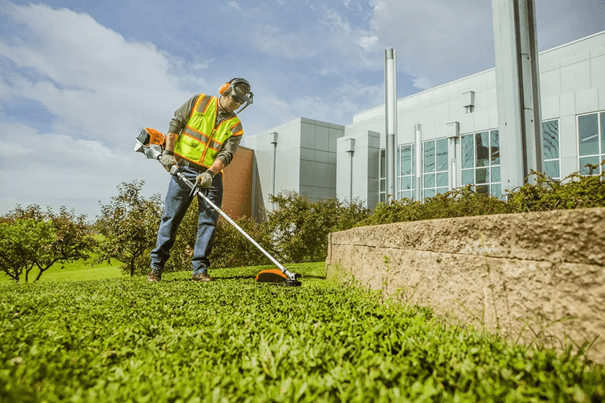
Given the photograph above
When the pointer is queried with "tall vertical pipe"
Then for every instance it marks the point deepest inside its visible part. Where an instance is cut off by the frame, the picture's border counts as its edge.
(390, 94)
(274, 142)
(418, 156)
(518, 90)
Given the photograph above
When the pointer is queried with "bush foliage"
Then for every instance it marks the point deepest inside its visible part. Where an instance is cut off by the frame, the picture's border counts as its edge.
(297, 231)
(300, 227)
(129, 225)
(573, 191)
(34, 239)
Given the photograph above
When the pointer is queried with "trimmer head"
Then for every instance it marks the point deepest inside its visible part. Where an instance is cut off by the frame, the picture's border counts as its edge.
(276, 276)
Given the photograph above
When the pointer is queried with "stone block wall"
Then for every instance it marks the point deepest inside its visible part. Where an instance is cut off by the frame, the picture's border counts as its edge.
(520, 274)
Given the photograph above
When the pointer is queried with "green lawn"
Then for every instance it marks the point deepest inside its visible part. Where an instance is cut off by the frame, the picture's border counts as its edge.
(123, 339)
(74, 271)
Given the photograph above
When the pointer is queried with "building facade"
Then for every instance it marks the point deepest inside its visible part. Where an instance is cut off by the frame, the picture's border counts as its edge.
(448, 136)
(297, 156)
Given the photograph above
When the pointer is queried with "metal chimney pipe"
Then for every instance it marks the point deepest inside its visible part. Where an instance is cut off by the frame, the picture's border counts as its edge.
(274, 142)
(390, 95)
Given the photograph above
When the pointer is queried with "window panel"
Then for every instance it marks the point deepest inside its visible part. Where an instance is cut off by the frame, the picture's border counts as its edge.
(429, 156)
(589, 160)
(442, 155)
(496, 174)
(496, 190)
(603, 132)
(551, 169)
(429, 181)
(482, 175)
(468, 177)
(406, 160)
(588, 127)
(429, 193)
(398, 161)
(550, 139)
(383, 185)
(482, 149)
(468, 152)
(406, 183)
(495, 147)
(442, 190)
(382, 164)
(442, 178)
(406, 171)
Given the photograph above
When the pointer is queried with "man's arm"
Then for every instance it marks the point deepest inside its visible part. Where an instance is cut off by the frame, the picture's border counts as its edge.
(225, 156)
(178, 123)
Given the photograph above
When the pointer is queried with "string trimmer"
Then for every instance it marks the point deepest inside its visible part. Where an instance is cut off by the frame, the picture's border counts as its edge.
(150, 142)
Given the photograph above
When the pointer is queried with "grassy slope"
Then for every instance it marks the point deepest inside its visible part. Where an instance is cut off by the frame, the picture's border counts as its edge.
(74, 271)
(124, 339)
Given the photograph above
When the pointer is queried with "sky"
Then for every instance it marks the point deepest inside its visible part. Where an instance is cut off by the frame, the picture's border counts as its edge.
(79, 79)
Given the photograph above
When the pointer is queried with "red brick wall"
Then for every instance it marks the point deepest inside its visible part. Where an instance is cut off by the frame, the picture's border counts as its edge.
(237, 184)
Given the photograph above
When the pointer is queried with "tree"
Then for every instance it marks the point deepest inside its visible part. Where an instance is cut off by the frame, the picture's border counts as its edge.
(31, 238)
(300, 227)
(129, 225)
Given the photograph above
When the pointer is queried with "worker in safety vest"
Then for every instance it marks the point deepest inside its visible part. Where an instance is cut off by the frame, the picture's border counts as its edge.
(202, 139)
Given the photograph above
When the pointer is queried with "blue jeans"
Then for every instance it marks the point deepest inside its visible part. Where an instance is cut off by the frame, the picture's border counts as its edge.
(175, 207)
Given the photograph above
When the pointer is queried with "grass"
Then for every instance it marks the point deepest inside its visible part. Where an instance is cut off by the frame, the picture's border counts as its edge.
(74, 271)
(123, 339)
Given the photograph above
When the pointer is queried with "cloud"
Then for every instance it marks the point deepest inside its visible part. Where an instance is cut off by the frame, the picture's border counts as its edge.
(232, 5)
(95, 83)
(368, 41)
(347, 98)
(438, 41)
(101, 89)
(56, 169)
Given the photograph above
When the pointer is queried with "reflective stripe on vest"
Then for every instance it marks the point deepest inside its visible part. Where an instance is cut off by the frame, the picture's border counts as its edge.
(200, 142)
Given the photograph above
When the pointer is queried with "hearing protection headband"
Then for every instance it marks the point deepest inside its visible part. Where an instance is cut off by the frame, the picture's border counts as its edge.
(246, 98)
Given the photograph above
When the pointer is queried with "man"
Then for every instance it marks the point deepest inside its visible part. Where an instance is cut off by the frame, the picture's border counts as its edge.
(202, 139)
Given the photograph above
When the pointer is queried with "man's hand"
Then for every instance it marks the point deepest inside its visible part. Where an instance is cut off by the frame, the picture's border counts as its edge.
(205, 179)
(167, 161)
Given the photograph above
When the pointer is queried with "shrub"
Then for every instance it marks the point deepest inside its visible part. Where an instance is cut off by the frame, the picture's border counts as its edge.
(573, 191)
(460, 202)
(229, 247)
(300, 227)
(31, 238)
(129, 225)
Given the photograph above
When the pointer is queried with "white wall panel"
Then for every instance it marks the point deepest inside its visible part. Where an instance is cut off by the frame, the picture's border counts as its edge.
(575, 77)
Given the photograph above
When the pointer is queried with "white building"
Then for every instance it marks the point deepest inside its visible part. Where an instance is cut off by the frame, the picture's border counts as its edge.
(457, 124)
(297, 156)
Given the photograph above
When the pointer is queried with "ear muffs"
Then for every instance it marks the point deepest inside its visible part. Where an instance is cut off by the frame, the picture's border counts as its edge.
(233, 81)
(248, 98)
(224, 87)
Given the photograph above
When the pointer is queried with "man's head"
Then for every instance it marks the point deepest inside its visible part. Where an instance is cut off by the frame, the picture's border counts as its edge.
(235, 93)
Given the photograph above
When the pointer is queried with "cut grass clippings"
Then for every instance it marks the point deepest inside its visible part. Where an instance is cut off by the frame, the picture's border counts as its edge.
(124, 339)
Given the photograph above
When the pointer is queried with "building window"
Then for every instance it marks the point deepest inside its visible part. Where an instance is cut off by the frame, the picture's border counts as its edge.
(406, 171)
(550, 143)
(591, 142)
(383, 177)
(435, 176)
(481, 162)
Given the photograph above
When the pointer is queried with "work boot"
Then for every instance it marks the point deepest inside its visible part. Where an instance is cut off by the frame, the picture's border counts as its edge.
(153, 277)
(202, 277)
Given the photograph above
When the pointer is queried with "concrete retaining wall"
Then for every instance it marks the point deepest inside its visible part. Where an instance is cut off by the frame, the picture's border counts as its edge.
(544, 271)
